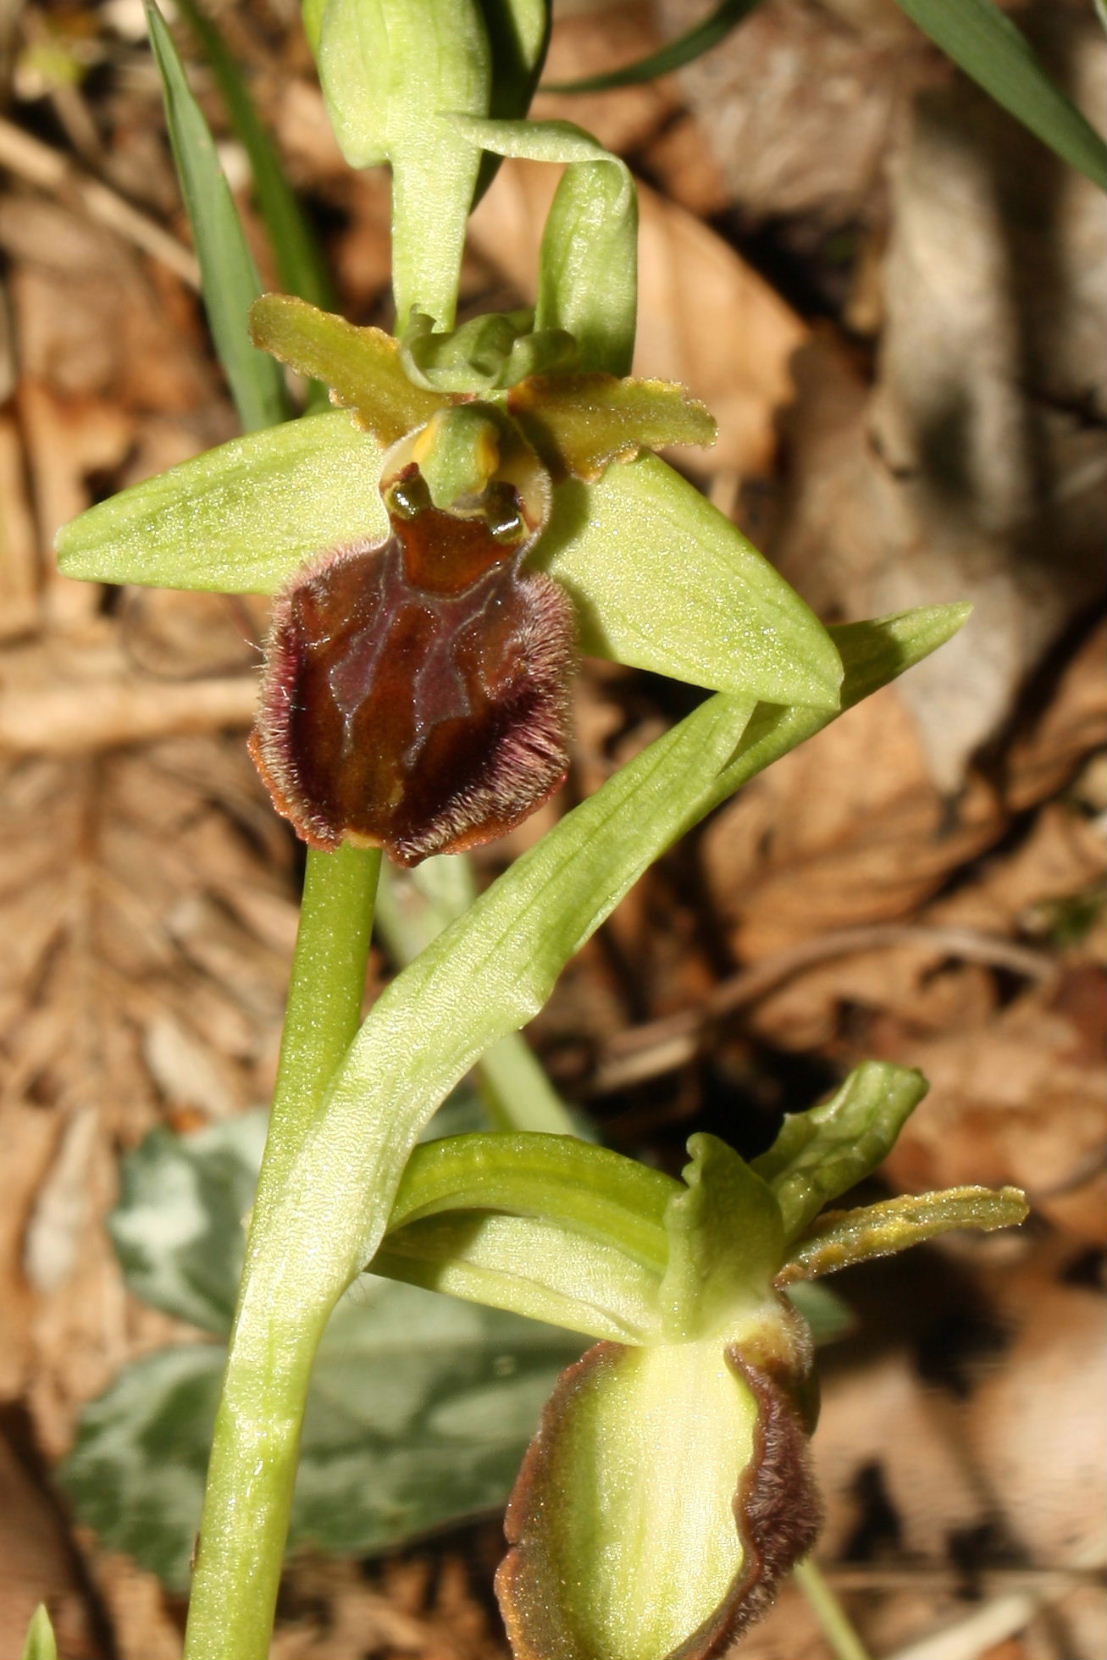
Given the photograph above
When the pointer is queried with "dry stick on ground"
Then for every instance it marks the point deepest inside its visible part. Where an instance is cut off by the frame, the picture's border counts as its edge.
(663, 1045)
(47, 170)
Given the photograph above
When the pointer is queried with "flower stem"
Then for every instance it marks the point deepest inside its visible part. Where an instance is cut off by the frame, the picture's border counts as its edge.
(257, 1431)
(836, 1625)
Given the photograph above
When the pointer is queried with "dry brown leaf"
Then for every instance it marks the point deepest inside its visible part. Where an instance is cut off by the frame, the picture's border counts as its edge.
(798, 105)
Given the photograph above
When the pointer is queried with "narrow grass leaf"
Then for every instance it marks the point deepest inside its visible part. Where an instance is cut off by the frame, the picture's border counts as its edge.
(990, 48)
(299, 259)
(686, 48)
(229, 276)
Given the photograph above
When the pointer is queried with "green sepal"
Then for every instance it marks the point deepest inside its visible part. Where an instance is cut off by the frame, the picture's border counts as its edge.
(588, 1189)
(392, 71)
(820, 1153)
(361, 366)
(842, 1238)
(40, 1644)
(665, 1492)
(529, 1266)
(582, 423)
(588, 265)
(662, 581)
(239, 519)
(725, 1244)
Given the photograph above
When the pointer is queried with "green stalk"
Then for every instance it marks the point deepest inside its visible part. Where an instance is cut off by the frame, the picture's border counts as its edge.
(257, 1432)
(832, 1617)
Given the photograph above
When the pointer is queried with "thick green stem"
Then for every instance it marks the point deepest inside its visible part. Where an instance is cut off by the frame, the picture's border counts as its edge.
(283, 1306)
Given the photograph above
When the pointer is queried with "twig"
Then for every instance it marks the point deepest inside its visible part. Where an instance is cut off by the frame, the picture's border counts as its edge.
(73, 719)
(52, 172)
(663, 1045)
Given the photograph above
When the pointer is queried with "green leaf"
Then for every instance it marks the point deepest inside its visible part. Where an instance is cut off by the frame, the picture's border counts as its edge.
(301, 265)
(41, 1643)
(588, 267)
(360, 365)
(625, 1543)
(419, 1412)
(991, 49)
(686, 48)
(490, 972)
(240, 518)
(842, 1238)
(820, 1153)
(725, 1244)
(229, 275)
(663, 581)
(178, 1228)
(136, 1472)
(413, 907)
(392, 70)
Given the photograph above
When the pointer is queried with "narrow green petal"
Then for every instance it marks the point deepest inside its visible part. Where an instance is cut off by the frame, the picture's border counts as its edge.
(238, 519)
(587, 421)
(360, 365)
(842, 1238)
(663, 581)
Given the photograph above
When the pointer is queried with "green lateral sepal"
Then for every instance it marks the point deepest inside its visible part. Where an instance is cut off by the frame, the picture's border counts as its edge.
(665, 1494)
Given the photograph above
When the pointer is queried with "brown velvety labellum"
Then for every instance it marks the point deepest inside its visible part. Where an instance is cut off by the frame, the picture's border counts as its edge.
(416, 691)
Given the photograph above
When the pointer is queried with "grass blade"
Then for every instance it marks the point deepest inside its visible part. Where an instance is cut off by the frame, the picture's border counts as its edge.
(985, 43)
(229, 276)
(299, 260)
(686, 48)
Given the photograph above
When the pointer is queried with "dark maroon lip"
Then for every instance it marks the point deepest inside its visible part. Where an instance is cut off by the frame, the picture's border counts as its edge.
(415, 695)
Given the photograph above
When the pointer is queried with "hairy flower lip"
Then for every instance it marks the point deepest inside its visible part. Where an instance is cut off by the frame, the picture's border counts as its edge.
(415, 695)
